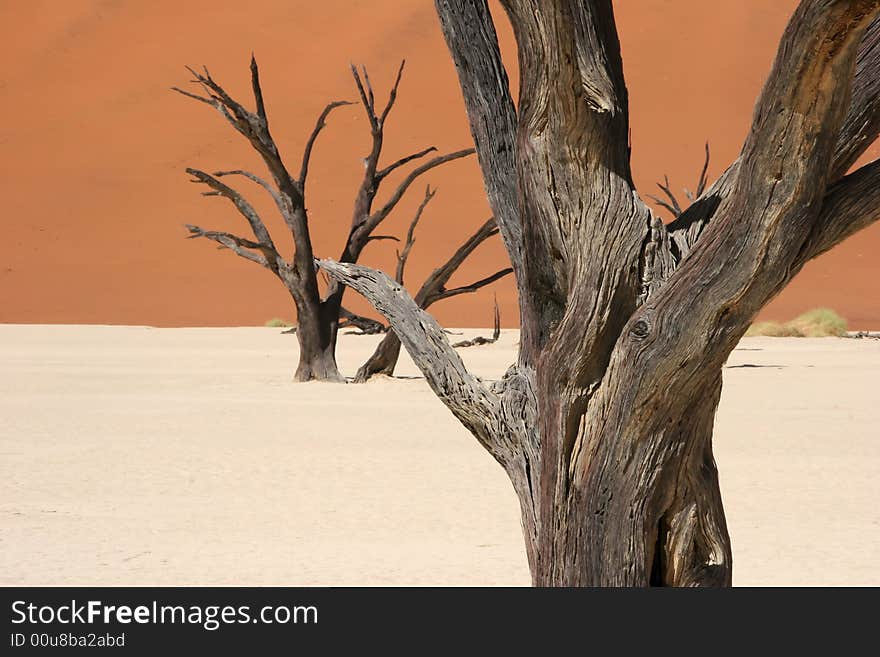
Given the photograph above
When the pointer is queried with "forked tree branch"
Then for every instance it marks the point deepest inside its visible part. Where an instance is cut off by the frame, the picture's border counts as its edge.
(672, 205)
(247, 249)
(754, 244)
(379, 215)
(858, 131)
(261, 233)
(260, 181)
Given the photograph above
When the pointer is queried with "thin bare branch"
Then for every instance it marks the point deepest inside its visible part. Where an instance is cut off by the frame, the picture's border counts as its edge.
(370, 94)
(404, 160)
(242, 205)
(247, 249)
(392, 97)
(319, 125)
(472, 287)
(365, 99)
(262, 182)
(701, 184)
(403, 255)
(258, 92)
(377, 217)
(379, 238)
(663, 204)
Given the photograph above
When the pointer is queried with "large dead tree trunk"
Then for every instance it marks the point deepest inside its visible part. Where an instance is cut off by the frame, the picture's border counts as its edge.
(604, 425)
(317, 315)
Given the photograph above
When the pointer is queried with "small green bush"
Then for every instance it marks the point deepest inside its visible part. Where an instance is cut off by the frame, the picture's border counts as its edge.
(278, 323)
(816, 323)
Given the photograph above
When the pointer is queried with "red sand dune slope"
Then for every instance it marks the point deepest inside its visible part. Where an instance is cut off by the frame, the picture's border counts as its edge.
(94, 145)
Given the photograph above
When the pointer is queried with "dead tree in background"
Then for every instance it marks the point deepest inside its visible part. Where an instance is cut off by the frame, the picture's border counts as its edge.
(384, 358)
(604, 424)
(480, 340)
(317, 314)
(671, 203)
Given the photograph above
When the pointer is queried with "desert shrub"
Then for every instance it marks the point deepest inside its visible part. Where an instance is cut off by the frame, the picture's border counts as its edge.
(278, 323)
(820, 323)
(773, 330)
(816, 323)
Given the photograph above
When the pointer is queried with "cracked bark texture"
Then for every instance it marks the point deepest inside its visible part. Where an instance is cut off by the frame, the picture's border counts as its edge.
(604, 425)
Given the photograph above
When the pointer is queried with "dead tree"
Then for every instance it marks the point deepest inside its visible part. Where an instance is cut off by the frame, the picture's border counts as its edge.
(384, 358)
(317, 315)
(604, 424)
(480, 340)
(671, 203)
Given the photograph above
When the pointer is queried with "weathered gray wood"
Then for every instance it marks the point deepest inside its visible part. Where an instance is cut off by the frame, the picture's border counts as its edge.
(607, 418)
(473, 403)
(433, 289)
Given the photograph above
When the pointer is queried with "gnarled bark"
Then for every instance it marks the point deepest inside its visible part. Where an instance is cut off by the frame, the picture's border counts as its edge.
(604, 425)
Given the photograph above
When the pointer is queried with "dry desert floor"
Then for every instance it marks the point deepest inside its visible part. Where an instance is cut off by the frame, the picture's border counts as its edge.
(134, 455)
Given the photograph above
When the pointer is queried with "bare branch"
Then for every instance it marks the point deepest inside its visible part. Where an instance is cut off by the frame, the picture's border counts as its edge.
(480, 340)
(404, 160)
(258, 92)
(473, 287)
(436, 282)
(475, 406)
(663, 204)
(673, 205)
(377, 217)
(254, 127)
(365, 325)
(392, 96)
(319, 125)
(403, 255)
(241, 204)
(245, 248)
(372, 97)
(260, 181)
(701, 184)
(366, 100)
(377, 238)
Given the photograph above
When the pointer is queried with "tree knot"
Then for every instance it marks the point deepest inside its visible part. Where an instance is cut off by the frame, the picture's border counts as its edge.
(640, 329)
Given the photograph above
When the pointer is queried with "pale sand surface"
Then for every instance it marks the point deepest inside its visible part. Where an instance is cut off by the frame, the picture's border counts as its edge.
(134, 455)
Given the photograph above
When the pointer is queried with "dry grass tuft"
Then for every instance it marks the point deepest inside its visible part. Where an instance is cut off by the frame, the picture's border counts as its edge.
(816, 323)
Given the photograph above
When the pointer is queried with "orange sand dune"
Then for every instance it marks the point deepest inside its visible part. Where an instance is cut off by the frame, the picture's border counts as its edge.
(94, 146)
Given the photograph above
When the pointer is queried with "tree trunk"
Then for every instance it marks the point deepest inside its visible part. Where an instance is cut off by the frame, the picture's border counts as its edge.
(647, 511)
(604, 424)
(316, 334)
(383, 360)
